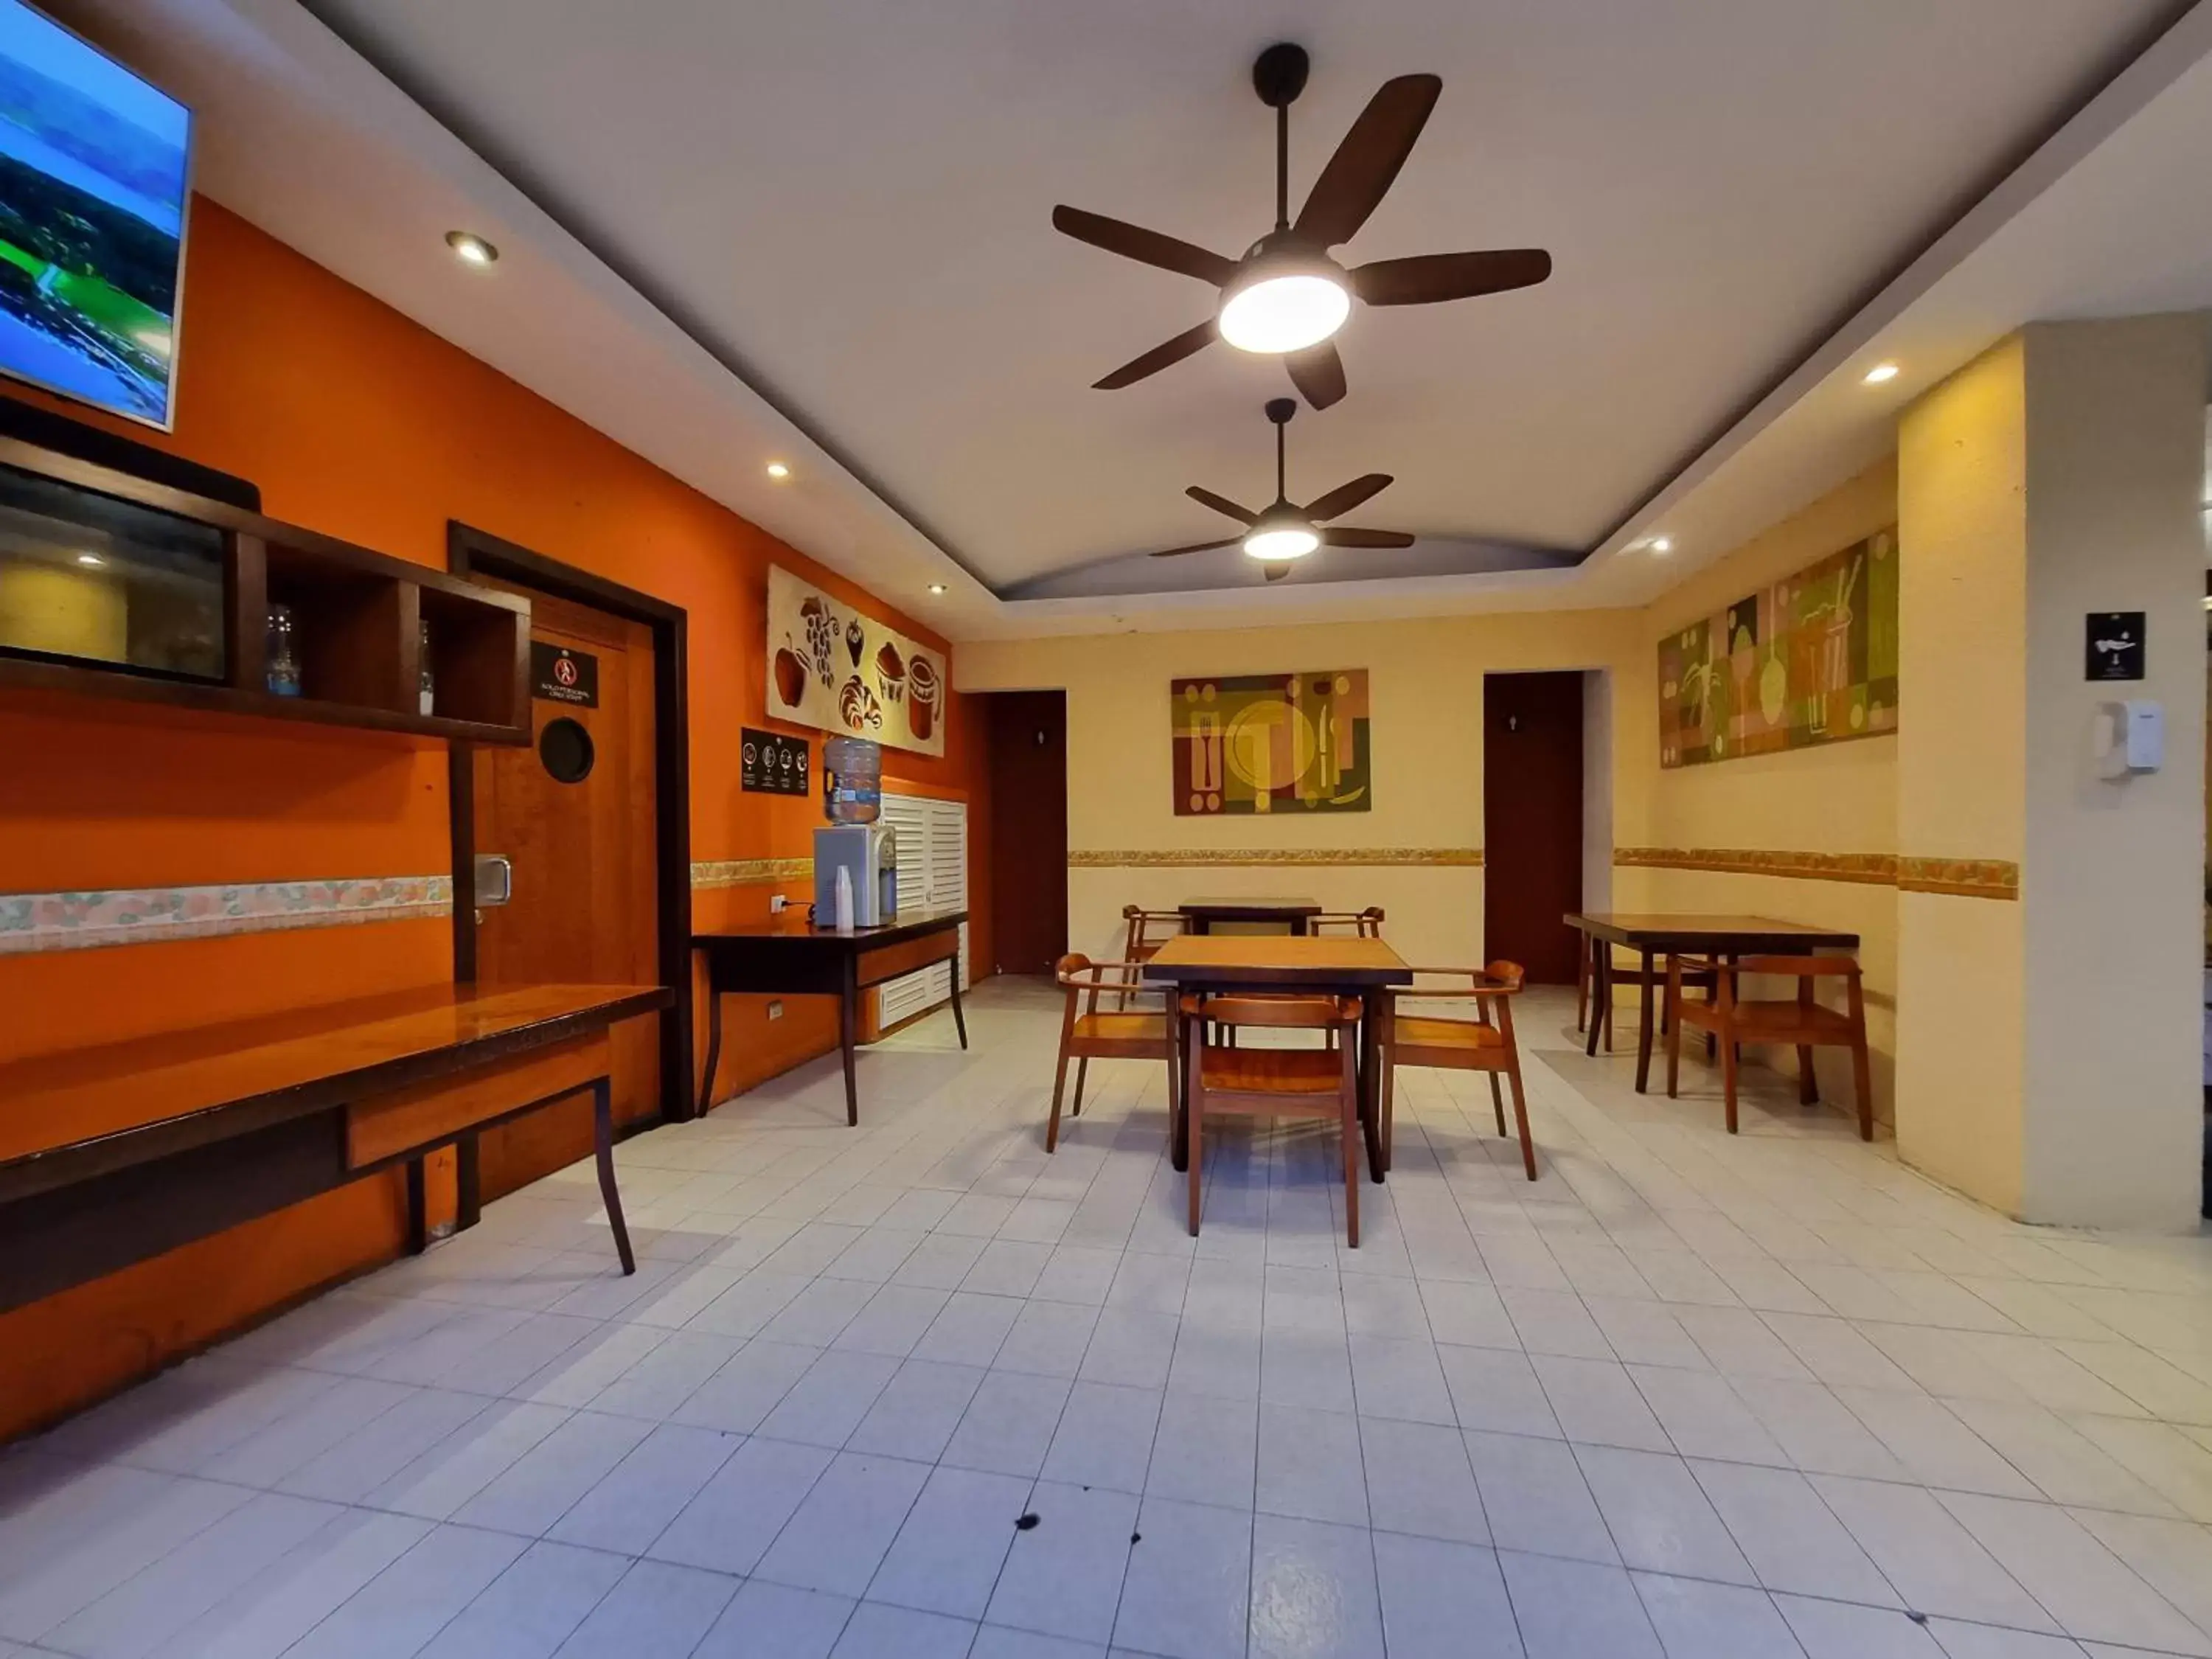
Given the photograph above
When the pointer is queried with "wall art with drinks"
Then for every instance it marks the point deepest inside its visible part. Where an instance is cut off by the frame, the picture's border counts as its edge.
(832, 667)
(1810, 659)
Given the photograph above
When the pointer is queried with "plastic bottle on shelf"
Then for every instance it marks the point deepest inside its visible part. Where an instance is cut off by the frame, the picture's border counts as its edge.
(282, 657)
(851, 781)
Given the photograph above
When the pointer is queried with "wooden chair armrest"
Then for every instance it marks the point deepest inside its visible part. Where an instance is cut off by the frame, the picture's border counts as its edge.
(1092, 978)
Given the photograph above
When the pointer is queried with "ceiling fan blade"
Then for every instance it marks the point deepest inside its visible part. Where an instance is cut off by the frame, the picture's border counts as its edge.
(1318, 373)
(1160, 357)
(1221, 504)
(1147, 247)
(1426, 278)
(1345, 497)
(1195, 547)
(1348, 537)
(1275, 573)
(1354, 182)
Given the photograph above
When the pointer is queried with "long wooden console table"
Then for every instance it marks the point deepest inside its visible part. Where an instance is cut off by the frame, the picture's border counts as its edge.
(112, 1154)
(789, 956)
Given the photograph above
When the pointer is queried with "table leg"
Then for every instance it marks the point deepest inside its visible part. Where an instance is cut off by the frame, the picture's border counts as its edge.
(848, 1020)
(1643, 1027)
(1298, 928)
(418, 1209)
(603, 1148)
(1371, 1071)
(714, 1043)
(1600, 959)
(959, 1019)
(468, 1180)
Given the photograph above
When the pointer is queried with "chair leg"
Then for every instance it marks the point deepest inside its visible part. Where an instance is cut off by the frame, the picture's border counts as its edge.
(1606, 1014)
(1862, 1082)
(1081, 1065)
(1388, 1105)
(1059, 1086)
(1582, 989)
(1497, 1102)
(1674, 1061)
(1809, 1083)
(1521, 1118)
(1730, 1057)
(1193, 1107)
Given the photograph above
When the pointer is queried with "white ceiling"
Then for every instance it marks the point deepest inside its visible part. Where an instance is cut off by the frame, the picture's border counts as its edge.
(844, 205)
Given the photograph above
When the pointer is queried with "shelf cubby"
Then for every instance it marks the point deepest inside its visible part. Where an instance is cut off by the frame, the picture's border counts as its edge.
(357, 620)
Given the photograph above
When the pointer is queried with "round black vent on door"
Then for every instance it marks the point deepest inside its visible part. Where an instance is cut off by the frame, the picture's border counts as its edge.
(566, 748)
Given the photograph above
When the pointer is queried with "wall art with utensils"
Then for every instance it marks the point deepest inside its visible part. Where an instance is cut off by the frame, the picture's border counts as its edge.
(1272, 743)
(829, 666)
(1810, 659)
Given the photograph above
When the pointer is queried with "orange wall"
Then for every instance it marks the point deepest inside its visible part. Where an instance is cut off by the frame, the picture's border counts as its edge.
(356, 423)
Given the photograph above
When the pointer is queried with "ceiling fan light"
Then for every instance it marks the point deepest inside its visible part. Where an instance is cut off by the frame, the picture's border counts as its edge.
(1285, 310)
(1274, 542)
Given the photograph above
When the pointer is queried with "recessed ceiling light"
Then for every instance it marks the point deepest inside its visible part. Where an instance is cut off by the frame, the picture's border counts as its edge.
(90, 560)
(1662, 545)
(778, 469)
(471, 250)
(1880, 373)
(937, 587)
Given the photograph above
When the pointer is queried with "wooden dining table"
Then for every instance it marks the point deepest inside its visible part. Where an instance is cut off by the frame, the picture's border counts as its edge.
(1292, 915)
(1652, 936)
(1218, 964)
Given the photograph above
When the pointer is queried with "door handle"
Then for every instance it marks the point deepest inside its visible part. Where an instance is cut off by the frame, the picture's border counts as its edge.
(494, 878)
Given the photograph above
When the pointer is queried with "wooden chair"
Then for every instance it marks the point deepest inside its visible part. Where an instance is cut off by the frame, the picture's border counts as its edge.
(1089, 1035)
(1484, 1043)
(1315, 1083)
(1731, 1019)
(1366, 924)
(1147, 930)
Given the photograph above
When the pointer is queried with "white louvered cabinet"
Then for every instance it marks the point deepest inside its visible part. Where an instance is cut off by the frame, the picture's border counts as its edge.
(932, 875)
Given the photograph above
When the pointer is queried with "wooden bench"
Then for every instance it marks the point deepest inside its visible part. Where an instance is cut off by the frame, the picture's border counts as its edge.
(114, 1154)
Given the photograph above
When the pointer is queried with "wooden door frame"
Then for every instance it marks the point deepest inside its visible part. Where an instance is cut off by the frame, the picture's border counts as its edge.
(470, 551)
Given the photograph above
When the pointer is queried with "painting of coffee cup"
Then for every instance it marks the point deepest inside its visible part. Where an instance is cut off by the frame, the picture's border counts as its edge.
(922, 697)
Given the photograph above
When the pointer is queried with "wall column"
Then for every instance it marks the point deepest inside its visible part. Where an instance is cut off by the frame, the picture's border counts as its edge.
(2049, 944)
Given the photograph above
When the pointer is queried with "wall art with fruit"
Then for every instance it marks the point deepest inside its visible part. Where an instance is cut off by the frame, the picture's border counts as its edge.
(832, 667)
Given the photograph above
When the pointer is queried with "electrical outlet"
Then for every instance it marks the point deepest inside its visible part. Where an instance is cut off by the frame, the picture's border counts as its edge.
(776, 901)
(775, 1008)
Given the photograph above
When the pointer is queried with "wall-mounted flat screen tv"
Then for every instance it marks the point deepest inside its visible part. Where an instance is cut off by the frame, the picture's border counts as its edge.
(94, 167)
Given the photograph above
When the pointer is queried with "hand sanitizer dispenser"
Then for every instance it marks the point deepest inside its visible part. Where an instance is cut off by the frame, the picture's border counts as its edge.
(2131, 737)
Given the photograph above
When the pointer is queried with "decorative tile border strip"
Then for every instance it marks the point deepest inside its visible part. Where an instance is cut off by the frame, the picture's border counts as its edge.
(1994, 878)
(1461, 857)
(1997, 878)
(749, 872)
(1873, 869)
(149, 915)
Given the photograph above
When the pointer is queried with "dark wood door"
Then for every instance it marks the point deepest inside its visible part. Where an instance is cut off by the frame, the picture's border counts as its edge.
(1532, 820)
(1029, 829)
(576, 819)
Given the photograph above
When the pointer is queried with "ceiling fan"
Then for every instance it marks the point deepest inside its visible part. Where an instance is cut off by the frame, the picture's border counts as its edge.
(1284, 532)
(1286, 295)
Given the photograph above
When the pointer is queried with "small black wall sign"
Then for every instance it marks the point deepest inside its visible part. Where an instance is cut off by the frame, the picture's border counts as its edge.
(559, 674)
(773, 765)
(2115, 646)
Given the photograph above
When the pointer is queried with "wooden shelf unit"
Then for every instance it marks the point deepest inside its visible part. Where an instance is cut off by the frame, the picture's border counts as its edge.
(357, 615)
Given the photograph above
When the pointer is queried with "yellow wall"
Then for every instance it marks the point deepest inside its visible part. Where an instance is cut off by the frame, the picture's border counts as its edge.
(1963, 490)
(1424, 681)
(1836, 799)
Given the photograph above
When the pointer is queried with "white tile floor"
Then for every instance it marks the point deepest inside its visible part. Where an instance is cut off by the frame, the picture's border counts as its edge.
(1686, 1395)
